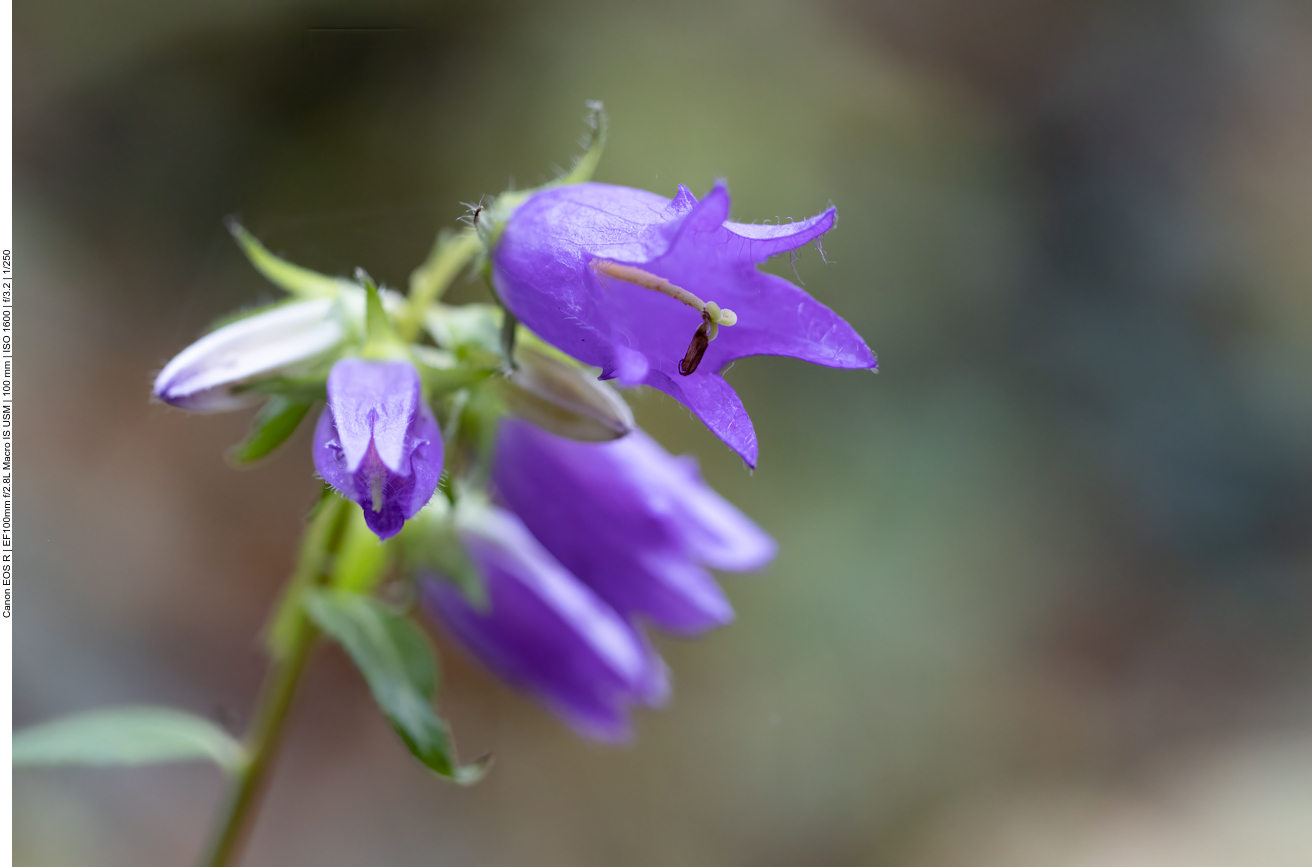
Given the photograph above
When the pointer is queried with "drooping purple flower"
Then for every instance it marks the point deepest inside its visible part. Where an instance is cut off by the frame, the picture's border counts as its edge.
(639, 285)
(377, 441)
(631, 521)
(546, 633)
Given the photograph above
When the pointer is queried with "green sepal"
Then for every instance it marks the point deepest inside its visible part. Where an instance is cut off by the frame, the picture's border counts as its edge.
(441, 374)
(138, 735)
(280, 272)
(492, 220)
(380, 338)
(361, 558)
(397, 661)
(471, 331)
(450, 254)
(586, 164)
(276, 421)
(299, 389)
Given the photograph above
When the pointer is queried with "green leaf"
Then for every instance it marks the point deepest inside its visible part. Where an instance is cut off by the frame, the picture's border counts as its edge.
(273, 424)
(280, 272)
(397, 662)
(127, 736)
(361, 558)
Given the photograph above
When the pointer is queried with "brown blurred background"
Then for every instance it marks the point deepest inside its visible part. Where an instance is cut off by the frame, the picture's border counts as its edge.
(1043, 597)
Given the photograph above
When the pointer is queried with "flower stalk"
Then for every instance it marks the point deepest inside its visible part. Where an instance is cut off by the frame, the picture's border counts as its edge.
(292, 638)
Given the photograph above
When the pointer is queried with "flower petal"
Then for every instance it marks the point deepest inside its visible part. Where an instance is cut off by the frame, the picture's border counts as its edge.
(373, 402)
(546, 633)
(426, 458)
(377, 442)
(718, 406)
(760, 241)
(777, 318)
(629, 520)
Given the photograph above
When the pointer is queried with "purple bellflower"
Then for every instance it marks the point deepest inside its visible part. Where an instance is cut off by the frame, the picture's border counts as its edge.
(631, 521)
(545, 632)
(640, 285)
(377, 441)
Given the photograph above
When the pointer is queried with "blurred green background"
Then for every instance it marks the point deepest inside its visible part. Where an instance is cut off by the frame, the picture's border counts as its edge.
(1043, 596)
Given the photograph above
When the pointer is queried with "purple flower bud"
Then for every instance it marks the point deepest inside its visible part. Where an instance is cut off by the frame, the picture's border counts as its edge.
(204, 377)
(631, 521)
(666, 293)
(544, 632)
(377, 441)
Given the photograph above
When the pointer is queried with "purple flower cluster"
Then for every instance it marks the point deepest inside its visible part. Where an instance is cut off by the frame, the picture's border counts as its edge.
(594, 539)
(579, 545)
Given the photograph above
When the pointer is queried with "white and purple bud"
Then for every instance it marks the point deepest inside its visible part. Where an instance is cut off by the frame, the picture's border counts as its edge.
(207, 376)
(286, 340)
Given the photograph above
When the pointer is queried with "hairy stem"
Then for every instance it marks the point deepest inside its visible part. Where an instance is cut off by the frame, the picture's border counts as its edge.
(298, 638)
(451, 253)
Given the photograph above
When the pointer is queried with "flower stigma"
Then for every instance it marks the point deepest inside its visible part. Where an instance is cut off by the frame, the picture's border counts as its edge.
(713, 315)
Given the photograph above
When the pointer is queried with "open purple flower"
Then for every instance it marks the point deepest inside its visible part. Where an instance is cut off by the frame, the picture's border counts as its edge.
(641, 286)
(546, 633)
(377, 441)
(631, 521)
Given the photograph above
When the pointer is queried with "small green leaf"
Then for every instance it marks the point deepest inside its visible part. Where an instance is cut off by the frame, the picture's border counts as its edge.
(397, 662)
(127, 736)
(280, 272)
(273, 424)
(361, 558)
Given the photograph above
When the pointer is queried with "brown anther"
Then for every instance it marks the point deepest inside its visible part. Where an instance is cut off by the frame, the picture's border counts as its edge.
(696, 349)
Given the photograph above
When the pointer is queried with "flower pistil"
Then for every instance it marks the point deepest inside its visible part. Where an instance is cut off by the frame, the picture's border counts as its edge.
(713, 315)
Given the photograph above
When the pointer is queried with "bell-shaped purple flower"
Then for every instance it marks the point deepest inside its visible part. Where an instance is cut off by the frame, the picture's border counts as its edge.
(377, 441)
(666, 293)
(544, 632)
(631, 521)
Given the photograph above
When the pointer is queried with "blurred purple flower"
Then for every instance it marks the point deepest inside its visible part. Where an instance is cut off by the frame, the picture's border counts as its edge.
(637, 285)
(546, 633)
(631, 521)
(377, 441)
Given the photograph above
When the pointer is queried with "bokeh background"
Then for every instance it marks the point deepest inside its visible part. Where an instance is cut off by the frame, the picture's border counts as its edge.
(1043, 596)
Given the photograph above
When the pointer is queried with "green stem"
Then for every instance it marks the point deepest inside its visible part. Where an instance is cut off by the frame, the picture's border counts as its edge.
(291, 652)
(451, 253)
